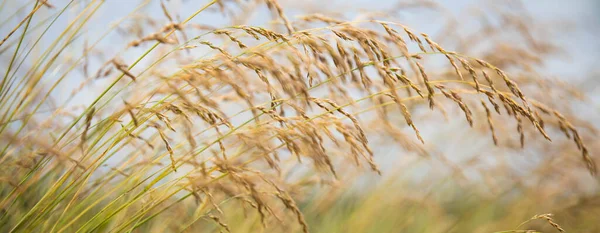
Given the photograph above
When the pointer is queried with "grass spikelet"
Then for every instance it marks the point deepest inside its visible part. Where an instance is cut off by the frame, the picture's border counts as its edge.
(322, 18)
(47, 4)
(165, 11)
(434, 46)
(548, 218)
(490, 82)
(274, 4)
(402, 77)
(167, 146)
(469, 68)
(152, 37)
(458, 100)
(289, 203)
(362, 135)
(514, 88)
(129, 110)
(490, 97)
(165, 120)
(456, 70)
(341, 35)
(520, 130)
(129, 133)
(407, 116)
(430, 90)
(210, 45)
(539, 118)
(414, 38)
(399, 42)
(88, 123)
(566, 126)
(232, 38)
(123, 68)
(490, 122)
(364, 79)
(218, 221)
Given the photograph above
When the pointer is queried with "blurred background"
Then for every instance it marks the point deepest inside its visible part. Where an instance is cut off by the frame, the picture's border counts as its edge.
(458, 180)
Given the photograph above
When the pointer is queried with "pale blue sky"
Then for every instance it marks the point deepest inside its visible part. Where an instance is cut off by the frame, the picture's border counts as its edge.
(579, 38)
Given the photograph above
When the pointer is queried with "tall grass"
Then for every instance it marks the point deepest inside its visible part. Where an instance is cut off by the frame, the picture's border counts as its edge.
(210, 123)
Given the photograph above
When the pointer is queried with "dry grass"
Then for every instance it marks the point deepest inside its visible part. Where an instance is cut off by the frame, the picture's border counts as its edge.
(250, 115)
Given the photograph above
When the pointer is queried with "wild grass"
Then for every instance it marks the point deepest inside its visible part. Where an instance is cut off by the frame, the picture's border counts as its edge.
(230, 128)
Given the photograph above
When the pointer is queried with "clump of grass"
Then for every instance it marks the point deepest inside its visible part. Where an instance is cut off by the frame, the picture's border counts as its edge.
(547, 217)
(259, 114)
